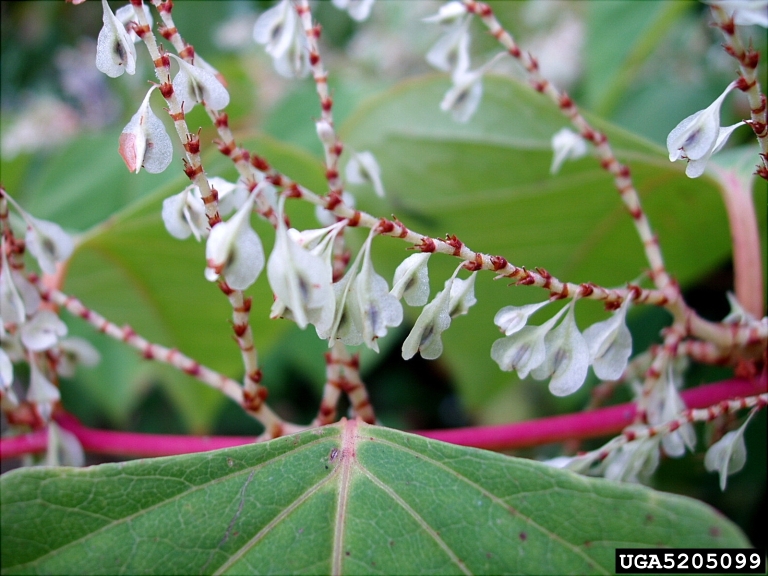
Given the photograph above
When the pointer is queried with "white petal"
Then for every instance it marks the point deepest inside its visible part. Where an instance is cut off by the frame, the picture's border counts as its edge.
(6, 372)
(144, 141)
(425, 336)
(462, 296)
(463, 98)
(173, 215)
(275, 28)
(451, 51)
(43, 331)
(510, 319)
(195, 85)
(447, 13)
(566, 144)
(524, 350)
(634, 461)
(412, 280)
(610, 344)
(675, 442)
(115, 53)
(75, 351)
(64, 449)
(41, 390)
(359, 10)
(362, 168)
(727, 456)
(48, 243)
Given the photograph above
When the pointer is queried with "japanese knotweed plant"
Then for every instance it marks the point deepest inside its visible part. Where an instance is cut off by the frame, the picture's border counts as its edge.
(343, 493)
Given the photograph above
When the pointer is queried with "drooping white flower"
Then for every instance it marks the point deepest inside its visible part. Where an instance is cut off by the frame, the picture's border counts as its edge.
(451, 51)
(115, 53)
(184, 214)
(462, 296)
(448, 13)
(362, 168)
(234, 250)
(745, 12)
(729, 454)
(43, 331)
(634, 461)
(347, 323)
(697, 137)
(196, 85)
(677, 441)
(6, 372)
(64, 449)
(610, 344)
(567, 357)
(284, 39)
(524, 349)
(511, 319)
(412, 280)
(41, 391)
(378, 309)
(126, 14)
(144, 141)
(18, 298)
(301, 280)
(75, 351)
(464, 96)
(357, 9)
(435, 318)
(566, 145)
(48, 243)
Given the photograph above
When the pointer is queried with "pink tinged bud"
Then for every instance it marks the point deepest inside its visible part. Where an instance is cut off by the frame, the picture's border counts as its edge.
(362, 168)
(144, 141)
(195, 85)
(234, 250)
(567, 357)
(48, 243)
(610, 344)
(412, 280)
(64, 449)
(41, 391)
(358, 10)
(634, 461)
(127, 14)
(566, 145)
(115, 53)
(729, 454)
(511, 319)
(43, 331)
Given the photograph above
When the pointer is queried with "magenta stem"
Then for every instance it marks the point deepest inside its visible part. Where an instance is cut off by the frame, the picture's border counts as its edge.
(592, 424)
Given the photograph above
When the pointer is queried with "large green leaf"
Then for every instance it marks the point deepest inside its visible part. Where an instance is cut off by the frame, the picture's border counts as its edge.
(348, 498)
(488, 182)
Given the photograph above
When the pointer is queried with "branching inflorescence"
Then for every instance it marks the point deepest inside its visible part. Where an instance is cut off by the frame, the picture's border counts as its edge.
(317, 281)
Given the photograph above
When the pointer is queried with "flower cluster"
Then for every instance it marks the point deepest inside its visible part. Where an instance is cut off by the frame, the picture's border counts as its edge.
(562, 353)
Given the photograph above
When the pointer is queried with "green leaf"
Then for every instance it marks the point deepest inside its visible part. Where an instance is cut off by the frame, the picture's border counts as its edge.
(344, 499)
(488, 182)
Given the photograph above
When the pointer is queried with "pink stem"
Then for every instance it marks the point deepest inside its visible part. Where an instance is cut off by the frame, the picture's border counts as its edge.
(595, 423)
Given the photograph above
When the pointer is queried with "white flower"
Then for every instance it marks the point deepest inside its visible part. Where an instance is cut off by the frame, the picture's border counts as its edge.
(675, 442)
(566, 358)
(64, 449)
(358, 9)
(347, 323)
(634, 461)
(362, 168)
(745, 12)
(524, 350)
(566, 145)
(300, 280)
(462, 296)
(464, 96)
(184, 214)
(435, 318)
(18, 297)
(610, 344)
(126, 14)
(699, 136)
(196, 85)
(43, 331)
(284, 39)
(41, 391)
(511, 319)
(115, 53)
(412, 280)
(48, 243)
(448, 13)
(451, 51)
(144, 141)
(234, 250)
(378, 309)
(74, 351)
(729, 454)
(6, 372)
